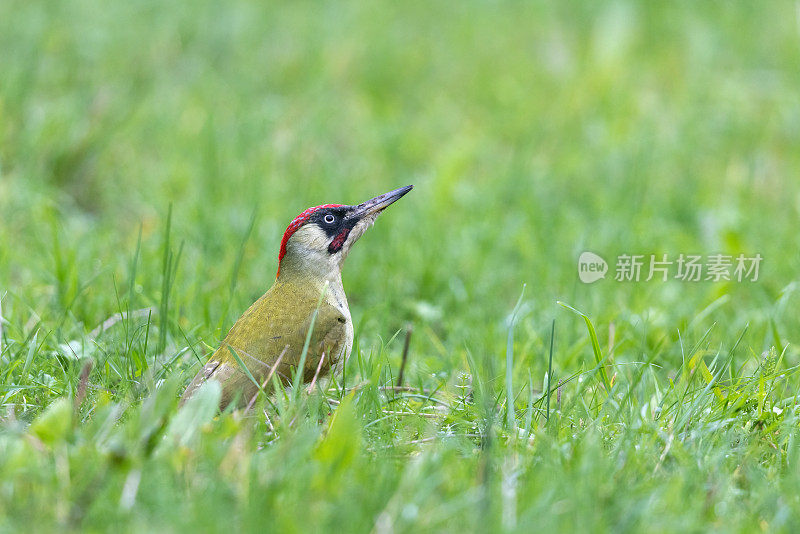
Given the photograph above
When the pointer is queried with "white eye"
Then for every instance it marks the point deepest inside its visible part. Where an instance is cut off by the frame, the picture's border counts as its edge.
(329, 219)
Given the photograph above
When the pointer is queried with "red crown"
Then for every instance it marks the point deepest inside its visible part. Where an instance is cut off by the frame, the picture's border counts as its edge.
(299, 221)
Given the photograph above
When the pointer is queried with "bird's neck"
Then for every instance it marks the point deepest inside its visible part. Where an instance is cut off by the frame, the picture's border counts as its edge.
(314, 280)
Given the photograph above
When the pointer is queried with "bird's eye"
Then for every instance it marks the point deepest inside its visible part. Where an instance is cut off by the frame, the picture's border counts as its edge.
(329, 219)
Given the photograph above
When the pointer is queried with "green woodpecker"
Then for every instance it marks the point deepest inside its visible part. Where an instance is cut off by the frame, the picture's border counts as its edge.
(273, 330)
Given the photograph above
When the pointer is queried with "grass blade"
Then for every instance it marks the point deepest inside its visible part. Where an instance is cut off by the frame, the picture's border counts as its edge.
(510, 412)
(298, 375)
(598, 354)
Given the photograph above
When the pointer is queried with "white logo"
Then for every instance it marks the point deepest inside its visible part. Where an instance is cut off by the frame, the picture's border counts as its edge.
(591, 267)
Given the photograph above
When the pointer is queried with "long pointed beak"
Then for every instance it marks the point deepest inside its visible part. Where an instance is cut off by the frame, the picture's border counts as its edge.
(379, 203)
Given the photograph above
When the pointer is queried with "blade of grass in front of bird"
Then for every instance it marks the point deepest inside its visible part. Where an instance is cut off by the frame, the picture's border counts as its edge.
(244, 368)
(298, 375)
(266, 380)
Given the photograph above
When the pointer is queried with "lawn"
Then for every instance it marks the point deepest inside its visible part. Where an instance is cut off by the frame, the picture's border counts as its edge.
(152, 154)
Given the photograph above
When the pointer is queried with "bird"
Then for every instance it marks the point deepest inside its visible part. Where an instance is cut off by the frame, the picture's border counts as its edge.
(307, 289)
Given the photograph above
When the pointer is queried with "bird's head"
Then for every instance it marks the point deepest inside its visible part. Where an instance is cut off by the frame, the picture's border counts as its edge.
(318, 240)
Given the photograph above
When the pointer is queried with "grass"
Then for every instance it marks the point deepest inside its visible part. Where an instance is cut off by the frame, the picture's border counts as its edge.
(151, 155)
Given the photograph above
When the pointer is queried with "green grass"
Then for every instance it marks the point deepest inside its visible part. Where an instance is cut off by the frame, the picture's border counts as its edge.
(152, 153)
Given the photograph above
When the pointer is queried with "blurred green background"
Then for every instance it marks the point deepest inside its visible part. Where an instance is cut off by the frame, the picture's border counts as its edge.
(531, 131)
